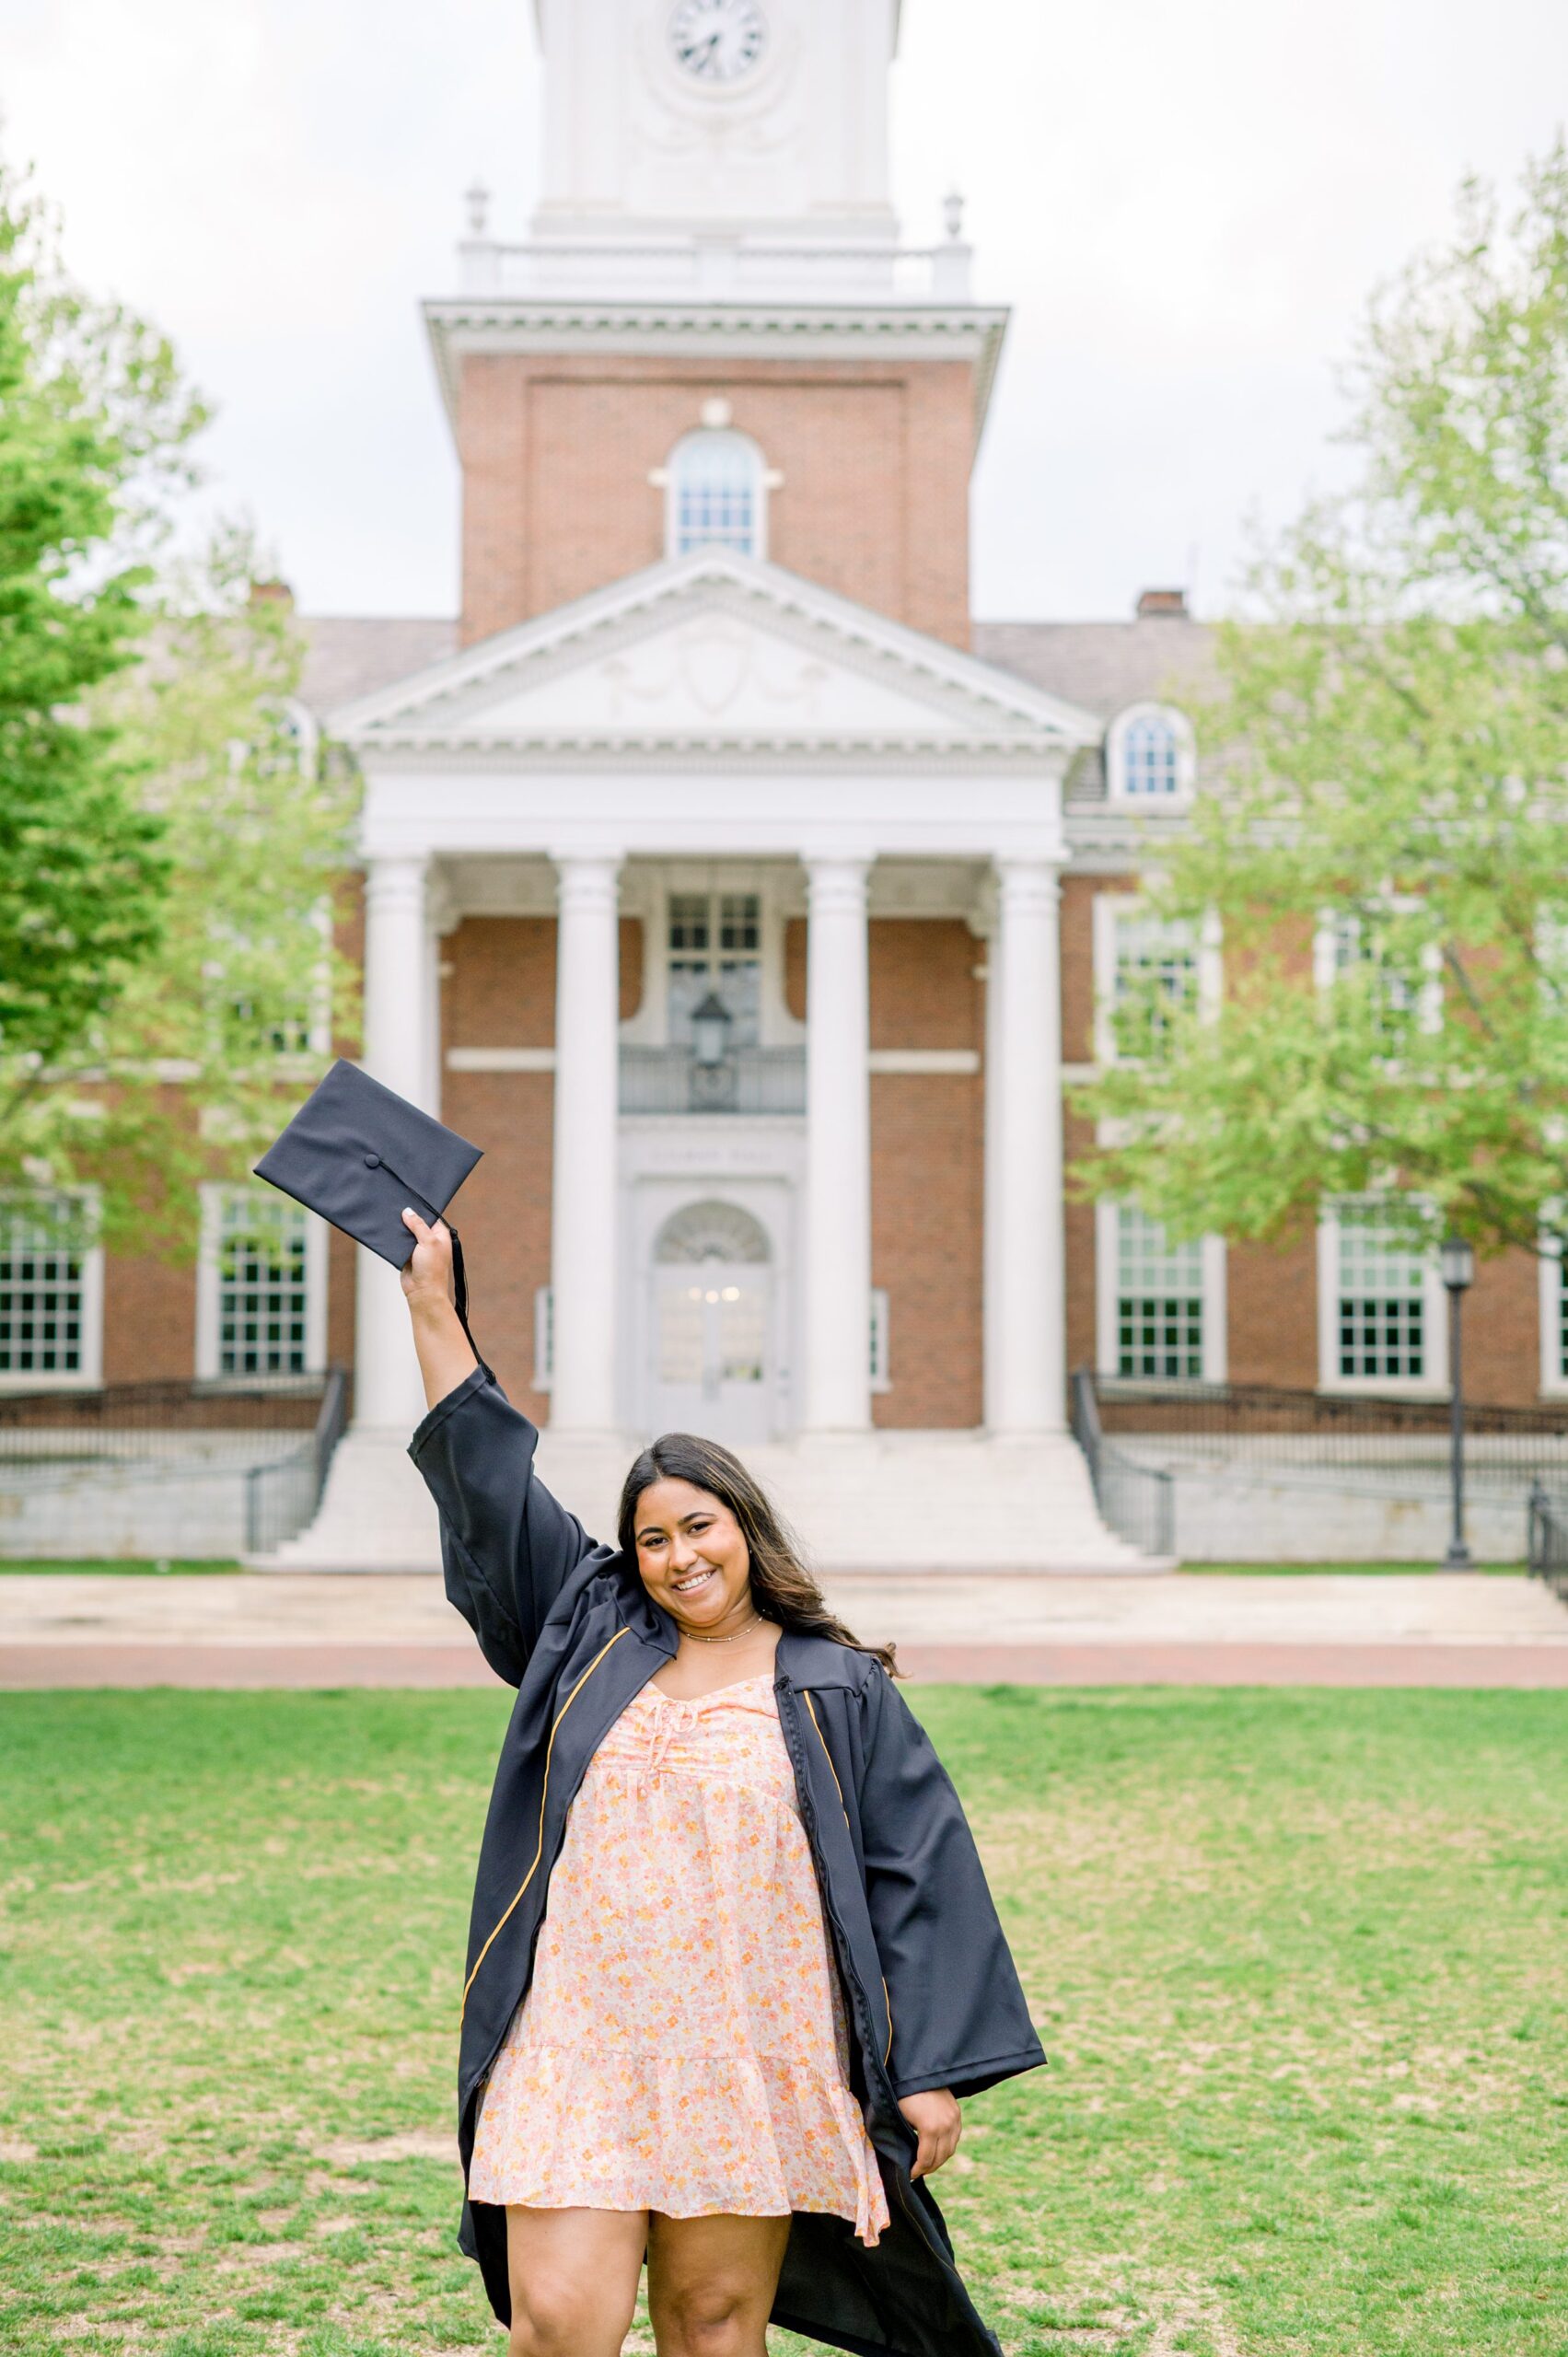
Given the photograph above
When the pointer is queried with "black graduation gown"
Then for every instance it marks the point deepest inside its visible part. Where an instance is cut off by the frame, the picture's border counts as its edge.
(931, 1992)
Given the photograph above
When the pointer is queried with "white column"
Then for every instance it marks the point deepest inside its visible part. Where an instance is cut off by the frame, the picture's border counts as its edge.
(1025, 1368)
(583, 1221)
(399, 981)
(837, 1291)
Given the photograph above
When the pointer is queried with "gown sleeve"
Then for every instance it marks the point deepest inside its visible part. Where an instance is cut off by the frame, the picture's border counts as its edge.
(507, 1547)
(959, 2017)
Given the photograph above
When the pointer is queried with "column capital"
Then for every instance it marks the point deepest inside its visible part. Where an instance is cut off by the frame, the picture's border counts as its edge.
(403, 875)
(836, 881)
(1024, 878)
(587, 878)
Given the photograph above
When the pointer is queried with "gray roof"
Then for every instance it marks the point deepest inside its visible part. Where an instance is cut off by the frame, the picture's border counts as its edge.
(1104, 666)
(348, 657)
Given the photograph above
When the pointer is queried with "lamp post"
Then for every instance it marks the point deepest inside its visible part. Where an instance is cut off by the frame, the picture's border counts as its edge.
(1457, 1260)
(713, 1075)
(710, 1030)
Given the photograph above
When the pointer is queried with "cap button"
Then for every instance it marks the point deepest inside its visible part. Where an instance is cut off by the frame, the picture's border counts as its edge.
(373, 1162)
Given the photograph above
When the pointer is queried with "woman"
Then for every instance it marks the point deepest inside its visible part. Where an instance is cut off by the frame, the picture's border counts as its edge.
(771, 1966)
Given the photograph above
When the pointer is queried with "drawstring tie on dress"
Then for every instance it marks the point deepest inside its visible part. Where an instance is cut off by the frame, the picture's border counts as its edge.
(670, 1719)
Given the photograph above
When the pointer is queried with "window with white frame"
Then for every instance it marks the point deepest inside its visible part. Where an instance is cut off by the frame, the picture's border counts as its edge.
(1146, 972)
(717, 488)
(543, 1338)
(714, 942)
(1151, 757)
(1552, 1264)
(1161, 1301)
(1407, 991)
(51, 1292)
(1380, 1307)
(881, 1354)
(260, 1288)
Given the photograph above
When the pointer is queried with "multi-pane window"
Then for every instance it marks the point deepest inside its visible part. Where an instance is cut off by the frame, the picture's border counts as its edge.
(1151, 758)
(263, 1285)
(1553, 1291)
(1159, 1301)
(1155, 978)
(715, 944)
(1149, 755)
(1380, 1299)
(881, 1346)
(44, 1249)
(1404, 979)
(715, 493)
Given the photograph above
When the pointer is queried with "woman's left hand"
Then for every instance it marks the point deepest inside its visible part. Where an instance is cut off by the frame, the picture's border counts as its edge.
(938, 2122)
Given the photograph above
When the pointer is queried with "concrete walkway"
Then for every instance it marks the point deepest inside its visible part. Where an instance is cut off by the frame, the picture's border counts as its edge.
(325, 1630)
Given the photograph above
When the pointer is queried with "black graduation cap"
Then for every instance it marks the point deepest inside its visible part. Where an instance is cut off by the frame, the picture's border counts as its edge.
(357, 1152)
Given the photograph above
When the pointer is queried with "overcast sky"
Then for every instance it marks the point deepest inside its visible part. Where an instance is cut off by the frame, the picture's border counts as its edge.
(1186, 202)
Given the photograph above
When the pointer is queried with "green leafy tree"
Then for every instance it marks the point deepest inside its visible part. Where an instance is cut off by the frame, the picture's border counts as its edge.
(173, 843)
(1384, 856)
(90, 413)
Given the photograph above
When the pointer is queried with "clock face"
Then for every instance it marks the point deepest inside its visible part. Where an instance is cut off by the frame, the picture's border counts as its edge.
(717, 40)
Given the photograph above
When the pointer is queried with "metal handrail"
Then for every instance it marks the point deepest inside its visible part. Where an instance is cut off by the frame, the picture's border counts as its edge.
(1137, 1501)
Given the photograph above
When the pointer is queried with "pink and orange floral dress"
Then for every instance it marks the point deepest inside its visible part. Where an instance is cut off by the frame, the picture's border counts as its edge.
(683, 2046)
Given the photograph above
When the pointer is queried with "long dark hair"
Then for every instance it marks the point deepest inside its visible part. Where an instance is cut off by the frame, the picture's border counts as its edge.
(782, 1587)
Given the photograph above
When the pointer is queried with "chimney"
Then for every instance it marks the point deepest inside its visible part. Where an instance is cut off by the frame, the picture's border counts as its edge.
(272, 593)
(1162, 601)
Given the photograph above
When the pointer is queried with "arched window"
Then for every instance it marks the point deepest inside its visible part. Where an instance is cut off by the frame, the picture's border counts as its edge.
(712, 1231)
(717, 493)
(1150, 756)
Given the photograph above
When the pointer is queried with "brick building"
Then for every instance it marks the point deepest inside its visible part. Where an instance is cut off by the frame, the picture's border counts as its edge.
(749, 903)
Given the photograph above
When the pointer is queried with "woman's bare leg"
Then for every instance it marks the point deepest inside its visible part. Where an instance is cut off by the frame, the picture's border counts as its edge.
(711, 2284)
(574, 2276)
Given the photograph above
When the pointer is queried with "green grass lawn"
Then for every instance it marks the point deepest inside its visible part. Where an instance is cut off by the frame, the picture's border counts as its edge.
(1299, 1958)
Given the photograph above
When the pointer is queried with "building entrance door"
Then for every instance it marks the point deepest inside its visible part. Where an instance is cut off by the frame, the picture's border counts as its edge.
(712, 1326)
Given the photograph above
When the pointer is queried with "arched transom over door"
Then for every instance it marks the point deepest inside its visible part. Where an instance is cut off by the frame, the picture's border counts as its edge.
(712, 1327)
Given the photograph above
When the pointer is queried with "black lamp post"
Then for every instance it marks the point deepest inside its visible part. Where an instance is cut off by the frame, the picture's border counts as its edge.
(1459, 1275)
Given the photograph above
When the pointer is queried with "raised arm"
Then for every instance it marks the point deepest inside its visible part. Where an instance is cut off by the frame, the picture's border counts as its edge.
(446, 1354)
(507, 1547)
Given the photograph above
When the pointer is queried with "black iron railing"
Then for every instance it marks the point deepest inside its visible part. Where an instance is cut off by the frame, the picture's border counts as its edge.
(281, 1497)
(130, 1420)
(1137, 1501)
(744, 1080)
(1337, 1424)
(1548, 1542)
(272, 1440)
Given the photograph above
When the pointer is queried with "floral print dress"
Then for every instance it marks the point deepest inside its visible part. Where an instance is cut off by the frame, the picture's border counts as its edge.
(683, 2046)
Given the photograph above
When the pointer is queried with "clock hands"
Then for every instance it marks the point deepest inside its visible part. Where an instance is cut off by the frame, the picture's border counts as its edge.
(702, 56)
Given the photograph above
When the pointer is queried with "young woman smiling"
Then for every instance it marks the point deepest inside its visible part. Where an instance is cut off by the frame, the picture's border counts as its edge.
(735, 2043)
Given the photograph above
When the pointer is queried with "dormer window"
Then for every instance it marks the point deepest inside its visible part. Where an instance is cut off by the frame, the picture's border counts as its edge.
(717, 493)
(1150, 755)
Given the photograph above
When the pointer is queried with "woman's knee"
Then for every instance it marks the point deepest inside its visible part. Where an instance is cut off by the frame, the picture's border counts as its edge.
(556, 2316)
(709, 2319)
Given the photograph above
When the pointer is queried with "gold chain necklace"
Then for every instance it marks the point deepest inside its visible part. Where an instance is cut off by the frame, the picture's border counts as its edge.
(730, 1640)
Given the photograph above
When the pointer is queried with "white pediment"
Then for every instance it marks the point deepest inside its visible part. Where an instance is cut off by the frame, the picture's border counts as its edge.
(712, 652)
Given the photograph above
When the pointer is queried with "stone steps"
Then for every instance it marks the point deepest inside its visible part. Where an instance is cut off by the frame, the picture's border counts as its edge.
(894, 1502)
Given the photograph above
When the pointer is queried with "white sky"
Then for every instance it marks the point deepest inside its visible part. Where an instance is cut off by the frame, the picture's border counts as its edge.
(1186, 202)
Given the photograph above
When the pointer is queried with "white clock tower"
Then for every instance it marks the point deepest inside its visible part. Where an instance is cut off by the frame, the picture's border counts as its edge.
(679, 118)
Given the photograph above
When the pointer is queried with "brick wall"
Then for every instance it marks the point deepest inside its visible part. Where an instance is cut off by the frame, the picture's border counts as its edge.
(500, 993)
(928, 1173)
(556, 455)
(928, 1187)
